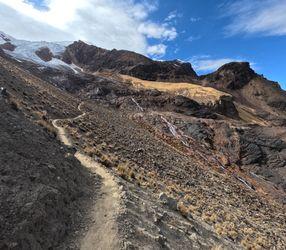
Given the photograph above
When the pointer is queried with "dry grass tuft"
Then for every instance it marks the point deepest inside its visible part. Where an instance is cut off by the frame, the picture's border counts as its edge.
(15, 105)
(226, 229)
(125, 171)
(48, 127)
(183, 209)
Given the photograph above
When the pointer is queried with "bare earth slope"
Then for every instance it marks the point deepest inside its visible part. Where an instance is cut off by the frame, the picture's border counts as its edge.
(44, 189)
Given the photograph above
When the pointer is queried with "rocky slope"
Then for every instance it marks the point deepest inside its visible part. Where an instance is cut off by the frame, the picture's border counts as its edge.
(198, 166)
(44, 189)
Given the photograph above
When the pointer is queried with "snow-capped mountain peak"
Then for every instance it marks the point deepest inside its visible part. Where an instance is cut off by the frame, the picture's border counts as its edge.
(28, 50)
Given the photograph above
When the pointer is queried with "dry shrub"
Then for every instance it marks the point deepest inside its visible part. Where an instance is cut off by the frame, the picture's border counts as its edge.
(183, 209)
(210, 217)
(48, 127)
(218, 247)
(258, 243)
(141, 179)
(126, 172)
(226, 229)
(15, 105)
(108, 160)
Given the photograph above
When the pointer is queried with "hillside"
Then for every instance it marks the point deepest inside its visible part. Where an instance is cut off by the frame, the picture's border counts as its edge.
(42, 185)
(118, 151)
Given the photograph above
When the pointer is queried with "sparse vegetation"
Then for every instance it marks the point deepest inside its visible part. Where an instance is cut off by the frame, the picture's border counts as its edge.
(194, 91)
(126, 172)
(48, 127)
(183, 209)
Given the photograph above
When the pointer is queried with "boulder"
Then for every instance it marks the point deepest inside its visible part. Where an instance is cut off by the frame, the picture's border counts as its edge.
(170, 202)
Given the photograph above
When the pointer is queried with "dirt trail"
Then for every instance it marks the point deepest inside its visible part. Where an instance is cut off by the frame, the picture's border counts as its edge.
(102, 232)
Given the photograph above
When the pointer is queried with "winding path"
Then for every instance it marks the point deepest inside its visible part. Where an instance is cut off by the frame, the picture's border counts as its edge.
(102, 233)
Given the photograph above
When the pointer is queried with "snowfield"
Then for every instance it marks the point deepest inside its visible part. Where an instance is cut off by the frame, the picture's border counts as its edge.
(25, 50)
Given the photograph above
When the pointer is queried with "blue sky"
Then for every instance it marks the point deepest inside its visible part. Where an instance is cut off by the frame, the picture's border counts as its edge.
(204, 34)
(207, 33)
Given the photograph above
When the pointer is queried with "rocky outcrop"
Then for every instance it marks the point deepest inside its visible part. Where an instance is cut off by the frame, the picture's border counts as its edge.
(8, 46)
(93, 58)
(225, 106)
(45, 54)
(172, 71)
(249, 89)
(230, 76)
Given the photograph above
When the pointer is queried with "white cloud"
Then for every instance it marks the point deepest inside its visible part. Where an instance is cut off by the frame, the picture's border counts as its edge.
(195, 19)
(193, 38)
(173, 16)
(157, 50)
(206, 63)
(265, 17)
(158, 31)
(106, 23)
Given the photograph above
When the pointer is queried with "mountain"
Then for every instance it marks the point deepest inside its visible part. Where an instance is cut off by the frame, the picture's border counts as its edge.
(93, 59)
(249, 89)
(115, 150)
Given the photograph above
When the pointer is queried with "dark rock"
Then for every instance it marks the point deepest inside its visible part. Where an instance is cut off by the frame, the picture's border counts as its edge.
(168, 201)
(225, 106)
(182, 101)
(45, 54)
(200, 132)
(172, 71)
(2, 53)
(250, 153)
(8, 46)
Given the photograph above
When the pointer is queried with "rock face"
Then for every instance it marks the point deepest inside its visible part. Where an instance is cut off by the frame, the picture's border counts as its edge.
(230, 76)
(4, 37)
(225, 106)
(93, 59)
(248, 88)
(2, 53)
(45, 54)
(173, 71)
(8, 46)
